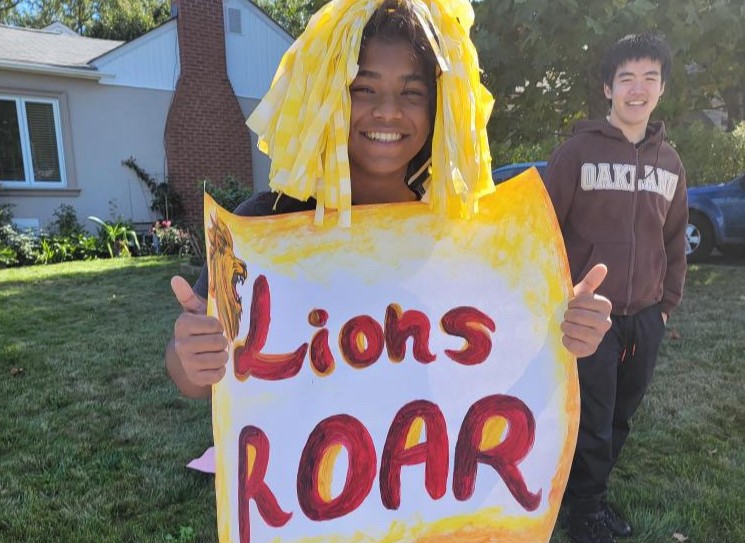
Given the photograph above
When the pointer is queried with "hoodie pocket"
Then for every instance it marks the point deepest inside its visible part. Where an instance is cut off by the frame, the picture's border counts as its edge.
(650, 271)
(617, 257)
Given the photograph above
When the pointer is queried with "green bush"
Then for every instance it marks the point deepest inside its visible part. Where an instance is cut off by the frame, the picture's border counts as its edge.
(504, 153)
(117, 237)
(17, 248)
(6, 214)
(710, 155)
(66, 222)
(78, 246)
(231, 192)
(8, 256)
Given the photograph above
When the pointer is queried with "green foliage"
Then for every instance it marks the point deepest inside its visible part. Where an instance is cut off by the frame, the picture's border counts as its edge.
(128, 19)
(107, 19)
(709, 155)
(522, 152)
(231, 192)
(75, 246)
(8, 256)
(7, 5)
(117, 237)
(17, 248)
(292, 15)
(66, 222)
(166, 201)
(541, 57)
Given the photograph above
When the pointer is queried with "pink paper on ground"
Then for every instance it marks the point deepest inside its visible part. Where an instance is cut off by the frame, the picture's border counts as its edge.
(205, 463)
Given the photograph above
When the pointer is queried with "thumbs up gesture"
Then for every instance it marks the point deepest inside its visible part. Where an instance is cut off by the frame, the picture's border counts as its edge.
(197, 353)
(587, 317)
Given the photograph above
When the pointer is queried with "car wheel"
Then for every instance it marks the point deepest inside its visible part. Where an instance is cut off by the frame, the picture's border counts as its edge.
(699, 238)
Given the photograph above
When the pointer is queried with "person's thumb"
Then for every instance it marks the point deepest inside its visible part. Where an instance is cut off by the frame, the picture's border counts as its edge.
(592, 280)
(189, 301)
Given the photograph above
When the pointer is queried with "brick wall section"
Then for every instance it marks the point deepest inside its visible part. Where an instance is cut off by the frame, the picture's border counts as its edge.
(206, 135)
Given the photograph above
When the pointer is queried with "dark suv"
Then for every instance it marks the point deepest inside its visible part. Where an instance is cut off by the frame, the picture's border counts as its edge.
(716, 219)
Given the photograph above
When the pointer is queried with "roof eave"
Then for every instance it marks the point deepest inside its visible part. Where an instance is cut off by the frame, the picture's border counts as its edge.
(49, 69)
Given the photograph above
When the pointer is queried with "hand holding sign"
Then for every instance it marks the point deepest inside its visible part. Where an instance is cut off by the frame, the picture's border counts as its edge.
(587, 317)
(199, 345)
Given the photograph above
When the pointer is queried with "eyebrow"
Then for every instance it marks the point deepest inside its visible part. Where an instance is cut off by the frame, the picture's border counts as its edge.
(650, 72)
(376, 75)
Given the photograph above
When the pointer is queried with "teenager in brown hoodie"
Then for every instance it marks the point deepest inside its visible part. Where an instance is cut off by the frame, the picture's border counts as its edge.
(619, 192)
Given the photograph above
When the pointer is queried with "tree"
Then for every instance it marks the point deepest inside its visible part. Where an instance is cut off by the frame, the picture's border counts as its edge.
(6, 6)
(540, 58)
(109, 19)
(292, 15)
(128, 19)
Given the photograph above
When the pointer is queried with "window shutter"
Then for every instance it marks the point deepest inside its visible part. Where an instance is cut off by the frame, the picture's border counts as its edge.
(43, 137)
(11, 153)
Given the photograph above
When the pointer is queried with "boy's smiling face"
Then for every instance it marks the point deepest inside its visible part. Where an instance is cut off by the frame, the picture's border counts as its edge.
(636, 90)
(390, 118)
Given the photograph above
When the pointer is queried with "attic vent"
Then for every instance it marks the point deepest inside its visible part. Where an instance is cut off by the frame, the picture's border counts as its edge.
(234, 21)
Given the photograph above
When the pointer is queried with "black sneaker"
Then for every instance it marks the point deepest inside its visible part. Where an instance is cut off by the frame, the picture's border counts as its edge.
(589, 528)
(615, 522)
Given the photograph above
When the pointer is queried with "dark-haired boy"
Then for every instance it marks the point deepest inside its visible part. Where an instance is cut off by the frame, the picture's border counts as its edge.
(620, 196)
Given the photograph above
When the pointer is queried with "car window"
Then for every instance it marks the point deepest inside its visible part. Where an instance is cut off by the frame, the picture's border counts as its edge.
(504, 175)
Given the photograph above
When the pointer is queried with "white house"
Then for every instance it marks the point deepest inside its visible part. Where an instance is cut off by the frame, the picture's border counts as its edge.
(175, 99)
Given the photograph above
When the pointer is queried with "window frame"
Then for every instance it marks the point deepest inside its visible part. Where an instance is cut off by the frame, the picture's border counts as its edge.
(26, 152)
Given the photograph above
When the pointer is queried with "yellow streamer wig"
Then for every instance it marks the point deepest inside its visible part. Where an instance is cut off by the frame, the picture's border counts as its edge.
(303, 121)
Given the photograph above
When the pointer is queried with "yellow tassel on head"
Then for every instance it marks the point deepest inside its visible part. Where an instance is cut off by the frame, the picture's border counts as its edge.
(303, 121)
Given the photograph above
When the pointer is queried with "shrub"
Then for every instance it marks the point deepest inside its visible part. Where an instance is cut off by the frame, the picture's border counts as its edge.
(117, 237)
(504, 153)
(6, 214)
(66, 222)
(78, 246)
(709, 155)
(231, 192)
(17, 248)
(8, 256)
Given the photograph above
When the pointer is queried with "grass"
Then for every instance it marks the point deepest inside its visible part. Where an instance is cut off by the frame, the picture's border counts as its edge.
(94, 438)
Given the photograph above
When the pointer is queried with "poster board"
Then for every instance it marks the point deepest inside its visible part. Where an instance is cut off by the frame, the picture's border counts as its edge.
(400, 380)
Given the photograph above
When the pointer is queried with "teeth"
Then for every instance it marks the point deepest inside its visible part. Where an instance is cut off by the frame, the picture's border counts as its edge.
(383, 136)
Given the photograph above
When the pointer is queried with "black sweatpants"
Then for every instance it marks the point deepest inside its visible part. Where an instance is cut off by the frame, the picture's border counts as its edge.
(612, 384)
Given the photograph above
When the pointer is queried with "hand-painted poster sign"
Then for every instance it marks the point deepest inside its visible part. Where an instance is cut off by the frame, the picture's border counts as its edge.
(399, 380)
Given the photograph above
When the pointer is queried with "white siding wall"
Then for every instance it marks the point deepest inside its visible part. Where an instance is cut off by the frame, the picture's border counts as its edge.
(148, 62)
(253, 55)
(260, 163)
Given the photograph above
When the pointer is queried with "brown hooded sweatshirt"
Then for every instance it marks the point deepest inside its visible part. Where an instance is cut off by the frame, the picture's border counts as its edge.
(625, 206)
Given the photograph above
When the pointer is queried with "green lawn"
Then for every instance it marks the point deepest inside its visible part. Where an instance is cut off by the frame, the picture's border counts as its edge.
(94, 438)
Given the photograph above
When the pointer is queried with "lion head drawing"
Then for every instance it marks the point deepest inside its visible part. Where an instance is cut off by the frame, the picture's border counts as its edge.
(226, 271)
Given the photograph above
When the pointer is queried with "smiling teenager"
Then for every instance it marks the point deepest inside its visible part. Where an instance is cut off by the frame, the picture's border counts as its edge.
(385, 120)
(619, 192)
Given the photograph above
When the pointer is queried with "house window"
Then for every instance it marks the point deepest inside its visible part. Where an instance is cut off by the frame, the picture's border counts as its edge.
(30, 142)
(234, 21)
